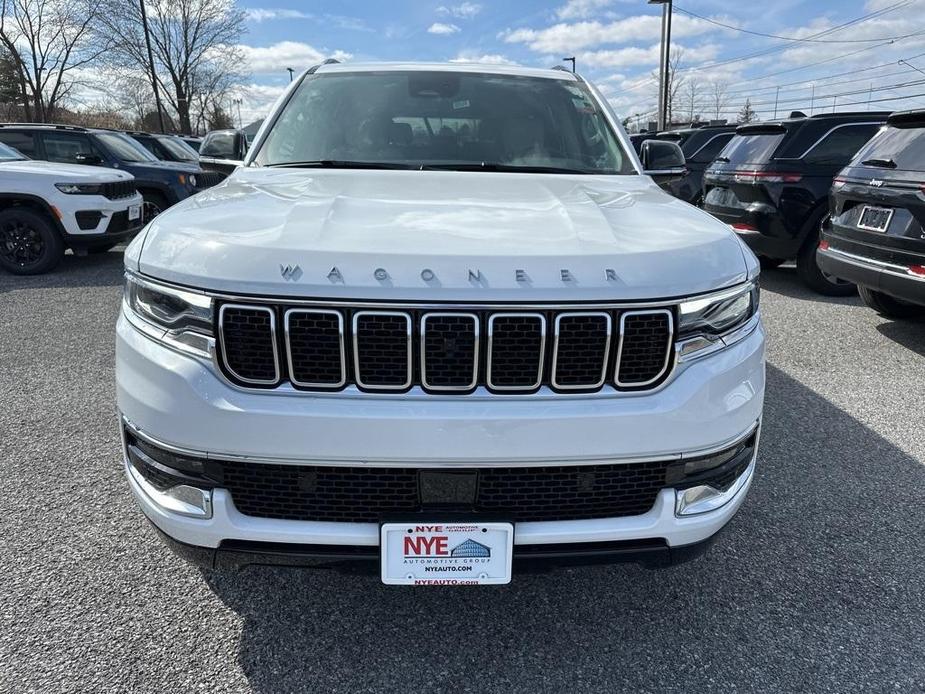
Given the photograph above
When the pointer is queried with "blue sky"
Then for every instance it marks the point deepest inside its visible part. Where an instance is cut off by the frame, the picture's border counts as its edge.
(616, 43)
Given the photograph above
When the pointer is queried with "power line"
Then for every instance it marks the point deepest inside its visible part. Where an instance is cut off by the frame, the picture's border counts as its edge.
(794, 39)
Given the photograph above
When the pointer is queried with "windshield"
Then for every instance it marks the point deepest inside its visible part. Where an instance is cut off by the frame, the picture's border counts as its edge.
(444, 120)
(125, 148)
(9, 154)
(904, 147)
(178, 148)
(750, 149)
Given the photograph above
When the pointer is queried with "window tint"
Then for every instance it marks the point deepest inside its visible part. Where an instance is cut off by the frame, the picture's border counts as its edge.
(125, 148)
(24, 142)
(751, 149)
(713, 147)
(446, 118)
(64, 147)
(904, 146)
(218, 145)
(840, 145)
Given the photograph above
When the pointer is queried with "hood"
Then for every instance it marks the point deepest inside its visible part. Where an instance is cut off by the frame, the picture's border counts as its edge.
(178, 166)
(64, 173)
(441, 235)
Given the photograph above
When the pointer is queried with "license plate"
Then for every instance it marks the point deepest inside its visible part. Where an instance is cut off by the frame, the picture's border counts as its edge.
(875, 218)
(446, 554)
(134, 212)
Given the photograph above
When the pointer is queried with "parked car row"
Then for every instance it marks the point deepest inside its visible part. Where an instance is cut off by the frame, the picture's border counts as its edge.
(777, 184)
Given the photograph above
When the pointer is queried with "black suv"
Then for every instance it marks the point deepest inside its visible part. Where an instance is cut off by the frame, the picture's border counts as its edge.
(700, 146)
(175, 148)
(162, 184)
(771, 184)
(876, 233)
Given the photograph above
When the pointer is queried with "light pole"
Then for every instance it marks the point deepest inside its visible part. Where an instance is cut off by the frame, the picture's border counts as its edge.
(908, 64)
(237, 102)
(663, 76)
(291, 70)
(157, 95)
(572, 60)
(776, 96)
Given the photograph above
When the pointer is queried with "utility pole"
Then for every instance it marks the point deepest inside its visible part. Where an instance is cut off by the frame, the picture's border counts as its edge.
(572, 60)
(157, 94)
(663, 76)
(812, 98)
(908, 64)
(776, 96)
(237, 102)
(870, 93)
(291, 70)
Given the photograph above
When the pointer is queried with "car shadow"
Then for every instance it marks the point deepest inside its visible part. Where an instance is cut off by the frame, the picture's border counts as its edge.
(908, 333)
(809, 589)
(784, 280)
(98, 270)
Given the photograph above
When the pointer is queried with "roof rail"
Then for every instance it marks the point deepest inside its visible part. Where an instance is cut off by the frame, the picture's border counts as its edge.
(853, 114)
(56, 126)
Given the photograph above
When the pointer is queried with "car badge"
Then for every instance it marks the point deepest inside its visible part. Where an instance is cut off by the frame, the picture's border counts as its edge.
(876, 182)
(290, 272)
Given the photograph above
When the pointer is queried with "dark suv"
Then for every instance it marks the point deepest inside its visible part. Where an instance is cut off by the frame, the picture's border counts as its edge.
(876, 233)
(700, 146)
(771, 184)
(161, 183)
(175, 148)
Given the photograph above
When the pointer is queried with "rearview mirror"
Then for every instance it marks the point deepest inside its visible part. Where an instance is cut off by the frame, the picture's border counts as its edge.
(663, 161)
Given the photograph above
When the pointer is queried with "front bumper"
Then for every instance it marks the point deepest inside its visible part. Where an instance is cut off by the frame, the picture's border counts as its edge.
(181, 403)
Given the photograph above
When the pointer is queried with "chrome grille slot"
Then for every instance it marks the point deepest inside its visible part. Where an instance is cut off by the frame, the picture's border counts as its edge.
(315, 348)
(644, 351)
(382, 350)
(516, 351)
(248, 343)
(580, 351)
(449, 351)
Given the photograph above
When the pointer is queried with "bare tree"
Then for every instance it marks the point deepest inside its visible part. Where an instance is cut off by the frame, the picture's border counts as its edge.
(49, 41)
(692, 99)
(676, 81)
(719, 97)
(194, 44)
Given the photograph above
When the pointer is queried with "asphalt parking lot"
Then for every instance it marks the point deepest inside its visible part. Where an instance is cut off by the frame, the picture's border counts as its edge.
(816, 586)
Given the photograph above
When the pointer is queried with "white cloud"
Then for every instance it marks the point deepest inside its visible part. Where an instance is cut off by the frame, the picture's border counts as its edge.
(484, 58)
(466, 10)
(579, 9)
(441, 28)
(571, 37)
(264, 14)
(632, 55)
(284, 54)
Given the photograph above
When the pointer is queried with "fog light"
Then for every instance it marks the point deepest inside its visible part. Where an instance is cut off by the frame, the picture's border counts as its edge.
(183, 499)
(703, 498)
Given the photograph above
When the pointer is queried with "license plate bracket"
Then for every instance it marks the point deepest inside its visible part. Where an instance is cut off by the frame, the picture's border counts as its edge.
(134, 212)
(434, 553)
(875, 218)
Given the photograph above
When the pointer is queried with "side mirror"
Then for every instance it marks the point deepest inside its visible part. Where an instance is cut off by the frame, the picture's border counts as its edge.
(240, 145)
(663, 161)
(92, 159)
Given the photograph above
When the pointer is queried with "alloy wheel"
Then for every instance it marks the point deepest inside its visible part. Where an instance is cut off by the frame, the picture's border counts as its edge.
(20, 244)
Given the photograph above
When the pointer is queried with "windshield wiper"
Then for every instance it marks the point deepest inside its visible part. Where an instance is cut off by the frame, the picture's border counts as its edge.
(494, 166)
(341, 164)
(882, 163)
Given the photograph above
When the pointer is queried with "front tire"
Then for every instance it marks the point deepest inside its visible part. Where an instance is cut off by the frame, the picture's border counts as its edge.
(154, 203)
(29, 244)
(888, 307)
(812, 275)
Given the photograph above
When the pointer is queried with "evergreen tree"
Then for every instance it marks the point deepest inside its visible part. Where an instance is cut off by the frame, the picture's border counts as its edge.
(747, 114)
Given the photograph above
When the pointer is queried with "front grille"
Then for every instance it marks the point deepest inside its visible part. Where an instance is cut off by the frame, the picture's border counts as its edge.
(369, 494)
(119, 189)
(330, 348)
(207, 179)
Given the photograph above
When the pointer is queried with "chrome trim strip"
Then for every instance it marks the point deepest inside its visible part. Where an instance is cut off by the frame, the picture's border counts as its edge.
(448, 463)
(475, 357)
(445, 305)
(539, 374)
(343, 349)
(356, 352)
(861, 261)
(668, 349)
(221, 340)
(555, 349)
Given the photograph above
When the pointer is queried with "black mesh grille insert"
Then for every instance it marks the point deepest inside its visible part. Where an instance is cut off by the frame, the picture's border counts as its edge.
(581, 349)
(366, 495)
(315, 348)
(516, 350)
(247, 343)
(382, 350)
(646, 338)
(118, 189)
(449, 346)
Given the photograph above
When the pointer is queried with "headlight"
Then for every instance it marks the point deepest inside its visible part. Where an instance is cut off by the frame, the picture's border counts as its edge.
(178, 318)
(79, 188)
(717, 320)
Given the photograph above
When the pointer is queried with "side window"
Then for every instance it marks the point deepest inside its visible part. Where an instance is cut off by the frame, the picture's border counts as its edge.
(711, 150)
(219, 146)
(64, 148)
(24, 142)
(840, 145)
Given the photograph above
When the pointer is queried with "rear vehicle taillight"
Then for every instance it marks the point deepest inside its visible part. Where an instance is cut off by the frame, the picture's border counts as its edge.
(838, 183)
(917, 270)
(755, 177)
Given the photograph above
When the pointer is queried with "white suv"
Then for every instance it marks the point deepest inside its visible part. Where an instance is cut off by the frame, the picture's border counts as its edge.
(443, 321)
(46, 208)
